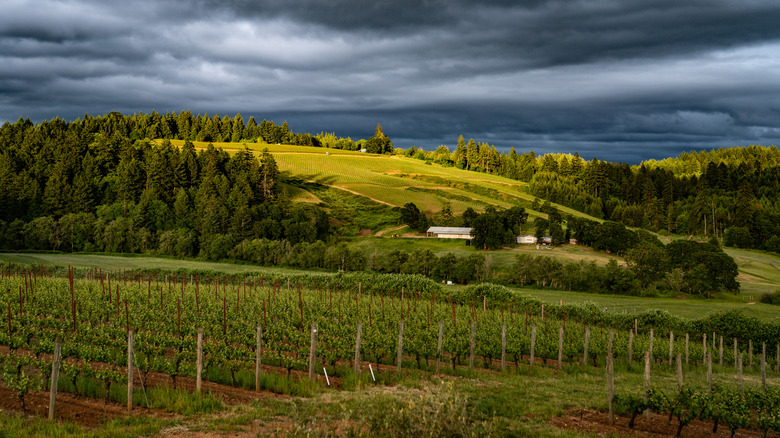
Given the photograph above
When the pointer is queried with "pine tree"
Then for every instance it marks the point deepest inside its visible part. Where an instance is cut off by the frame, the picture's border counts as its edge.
(269, 173)
(238, 129)
(745, 206)
(565, 167)
(226, 128)
(251, 131)
(472, 155)
(57, 192)
(182, 209)
(459, 156)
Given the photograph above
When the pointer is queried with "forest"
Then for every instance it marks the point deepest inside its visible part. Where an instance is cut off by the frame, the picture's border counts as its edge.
(729, 193)
(115, 183)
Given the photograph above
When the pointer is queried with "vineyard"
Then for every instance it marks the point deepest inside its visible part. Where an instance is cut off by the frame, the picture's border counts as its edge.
(224, 328)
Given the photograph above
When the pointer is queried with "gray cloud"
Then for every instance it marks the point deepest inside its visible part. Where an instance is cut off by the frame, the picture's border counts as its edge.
(620, 80)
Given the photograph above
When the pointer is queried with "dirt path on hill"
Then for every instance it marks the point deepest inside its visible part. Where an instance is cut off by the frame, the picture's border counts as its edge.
(380, 232)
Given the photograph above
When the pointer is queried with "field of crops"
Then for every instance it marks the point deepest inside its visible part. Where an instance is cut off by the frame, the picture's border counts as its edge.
(93, 314)
(404, 317)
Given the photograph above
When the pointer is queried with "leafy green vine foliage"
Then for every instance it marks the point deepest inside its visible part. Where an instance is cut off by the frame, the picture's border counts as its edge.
(18, 380)
(630, 404)
(735, 408)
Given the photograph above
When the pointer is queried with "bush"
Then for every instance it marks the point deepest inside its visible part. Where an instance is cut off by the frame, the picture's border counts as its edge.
(773, 298)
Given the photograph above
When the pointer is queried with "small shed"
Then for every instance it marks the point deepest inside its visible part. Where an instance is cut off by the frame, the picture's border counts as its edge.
(526, 239)
(449, 232)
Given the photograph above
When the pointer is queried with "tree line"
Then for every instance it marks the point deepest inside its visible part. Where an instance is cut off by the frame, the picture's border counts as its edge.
(86, 186)
(731, 193)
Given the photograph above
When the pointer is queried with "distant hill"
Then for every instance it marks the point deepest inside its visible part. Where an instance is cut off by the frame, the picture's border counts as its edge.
(107, 167)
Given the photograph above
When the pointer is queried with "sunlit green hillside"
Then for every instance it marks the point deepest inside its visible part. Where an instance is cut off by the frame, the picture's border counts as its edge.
(392, 179)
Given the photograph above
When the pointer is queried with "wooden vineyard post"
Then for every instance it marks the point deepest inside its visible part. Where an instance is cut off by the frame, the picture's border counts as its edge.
(199, 362)
(610, 389)
(739, 371)
(503, 347)
(647, 381)
(720, 352)
(471, 343)
(650, 350)
(560, 347)
(438, 346)
(55, 375)
(312, 349)
(704, 349)
(636, 327)
(687, 339)
(357, 347)
(258, 356)
(533, 344)
(679, 372)
(630, 347)
(130, 370)
(671, 347)
(709, 371)
(400, 352)
(609, 345)
(73, 307)
(587, 340)
(763, 367)
(735, 353)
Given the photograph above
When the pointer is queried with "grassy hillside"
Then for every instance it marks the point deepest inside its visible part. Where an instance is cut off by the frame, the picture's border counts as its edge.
(759, 271)
(360, 189)
(393, 180)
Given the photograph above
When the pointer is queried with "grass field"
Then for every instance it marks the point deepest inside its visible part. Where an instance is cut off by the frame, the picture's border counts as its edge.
(759, 271)
(501, 258)
(392, 179)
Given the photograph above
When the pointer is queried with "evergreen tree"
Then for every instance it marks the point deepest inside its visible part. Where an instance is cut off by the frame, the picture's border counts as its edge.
(745, 206)
(57, 192)
(459, 156)
(182, 209)
(269, 173)
(226, 128)
(238, 129)
(472, 155)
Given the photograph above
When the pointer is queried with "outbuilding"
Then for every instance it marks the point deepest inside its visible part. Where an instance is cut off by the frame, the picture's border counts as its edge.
(449, 232)
(526, 239)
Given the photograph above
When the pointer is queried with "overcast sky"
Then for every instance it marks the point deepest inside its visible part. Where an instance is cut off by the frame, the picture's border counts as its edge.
(621, 80)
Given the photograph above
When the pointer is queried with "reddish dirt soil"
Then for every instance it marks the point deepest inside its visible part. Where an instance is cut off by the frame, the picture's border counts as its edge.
(85, 411)
(597, 423)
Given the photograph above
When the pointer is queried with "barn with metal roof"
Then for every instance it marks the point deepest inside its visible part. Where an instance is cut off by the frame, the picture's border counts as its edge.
(450, 232)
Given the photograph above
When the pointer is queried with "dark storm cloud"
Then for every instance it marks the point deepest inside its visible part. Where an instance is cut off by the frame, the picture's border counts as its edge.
(620, 80)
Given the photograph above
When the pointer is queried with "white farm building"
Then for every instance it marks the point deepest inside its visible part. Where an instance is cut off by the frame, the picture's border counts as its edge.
(526, 239)
(449, 232)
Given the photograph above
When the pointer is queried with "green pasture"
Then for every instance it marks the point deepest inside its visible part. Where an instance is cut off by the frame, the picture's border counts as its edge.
(759, 271)
(128, 262)
(502, 258)
(392, 179)
(686, 307)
